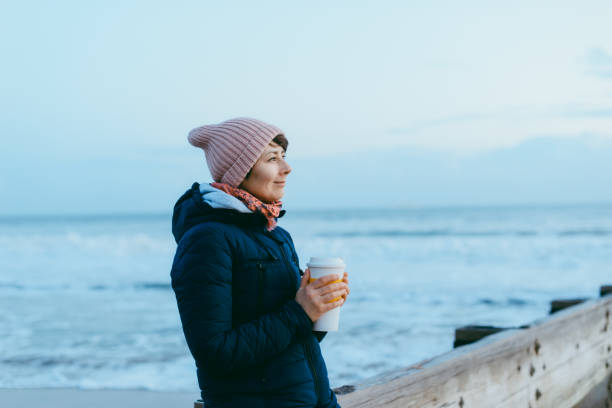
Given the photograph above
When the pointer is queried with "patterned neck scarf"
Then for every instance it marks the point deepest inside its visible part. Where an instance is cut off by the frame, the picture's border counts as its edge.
(270, 211)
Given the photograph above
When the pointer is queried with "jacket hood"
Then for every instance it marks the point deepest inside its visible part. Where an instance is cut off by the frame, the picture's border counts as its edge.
(203, 203)
(220, 199)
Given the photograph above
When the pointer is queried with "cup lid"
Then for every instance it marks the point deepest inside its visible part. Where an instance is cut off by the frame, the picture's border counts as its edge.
(320, 262)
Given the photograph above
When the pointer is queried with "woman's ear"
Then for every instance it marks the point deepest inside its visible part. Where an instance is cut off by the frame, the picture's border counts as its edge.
(245, 177)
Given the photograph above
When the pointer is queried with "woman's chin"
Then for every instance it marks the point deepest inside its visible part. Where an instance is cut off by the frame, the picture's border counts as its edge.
(270, 199)
(277, 195)
(276, 198)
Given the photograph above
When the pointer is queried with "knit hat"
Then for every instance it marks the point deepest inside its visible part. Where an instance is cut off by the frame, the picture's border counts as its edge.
(232, 147)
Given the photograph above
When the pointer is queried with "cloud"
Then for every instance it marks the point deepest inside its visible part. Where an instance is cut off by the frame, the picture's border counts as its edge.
(418, 126)
(473, 132)
(599, 62)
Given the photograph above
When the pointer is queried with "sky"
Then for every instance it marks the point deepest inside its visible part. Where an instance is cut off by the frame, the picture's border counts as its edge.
(96, 98)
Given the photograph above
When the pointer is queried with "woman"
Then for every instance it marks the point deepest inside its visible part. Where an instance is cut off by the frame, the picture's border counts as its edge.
(246, 313)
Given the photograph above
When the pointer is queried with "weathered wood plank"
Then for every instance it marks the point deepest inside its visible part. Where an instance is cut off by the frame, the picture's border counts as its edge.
(553, 363)
(568, 383)
(600, 396)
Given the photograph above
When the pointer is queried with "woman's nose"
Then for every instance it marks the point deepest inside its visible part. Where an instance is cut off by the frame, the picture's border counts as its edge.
(287, 168)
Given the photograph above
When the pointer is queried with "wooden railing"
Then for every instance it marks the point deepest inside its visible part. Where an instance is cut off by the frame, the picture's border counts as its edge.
(564, 360)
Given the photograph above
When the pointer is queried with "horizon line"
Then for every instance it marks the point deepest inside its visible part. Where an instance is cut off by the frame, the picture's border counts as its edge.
(403, 207)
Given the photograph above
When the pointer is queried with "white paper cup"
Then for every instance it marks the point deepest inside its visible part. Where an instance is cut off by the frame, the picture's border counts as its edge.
(320, 267)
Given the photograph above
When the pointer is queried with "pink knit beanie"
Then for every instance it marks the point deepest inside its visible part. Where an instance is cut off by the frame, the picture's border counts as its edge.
(232, 147)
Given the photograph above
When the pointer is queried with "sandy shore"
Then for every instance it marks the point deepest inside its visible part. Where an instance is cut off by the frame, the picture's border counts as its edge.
(72, 397)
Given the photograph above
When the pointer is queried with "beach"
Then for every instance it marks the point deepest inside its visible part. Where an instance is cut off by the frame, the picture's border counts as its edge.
(73, 397)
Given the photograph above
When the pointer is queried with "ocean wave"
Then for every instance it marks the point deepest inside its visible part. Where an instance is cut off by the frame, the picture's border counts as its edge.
(425, 233)
(98, 287)
(137, 286)
(43, 361)
(437, 233)
(43, 287)
(10, 285)
(503, 302)
(40, 361)
(118, 245)
(585, 232)
(153, 286)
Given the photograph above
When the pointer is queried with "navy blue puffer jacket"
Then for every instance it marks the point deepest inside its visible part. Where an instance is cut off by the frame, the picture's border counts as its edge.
(235, 285)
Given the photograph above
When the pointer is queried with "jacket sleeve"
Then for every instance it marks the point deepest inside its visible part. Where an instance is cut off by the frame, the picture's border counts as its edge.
(202, 281)
(319, 335)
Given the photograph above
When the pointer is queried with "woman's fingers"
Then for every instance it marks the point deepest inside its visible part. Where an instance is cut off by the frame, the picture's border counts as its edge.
(325, 294)
(332, 305)
(320, 282)
(331, 287)
(348, 290)
(305, 278)
(333, 295)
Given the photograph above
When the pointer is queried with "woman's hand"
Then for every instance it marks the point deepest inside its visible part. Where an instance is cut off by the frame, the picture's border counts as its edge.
(316, 297)
(348, 290)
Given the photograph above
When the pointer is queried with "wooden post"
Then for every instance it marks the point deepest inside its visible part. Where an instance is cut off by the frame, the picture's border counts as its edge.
(470, 334)
(560, 304)
(605, 290)
(198, 404)
(345, 389)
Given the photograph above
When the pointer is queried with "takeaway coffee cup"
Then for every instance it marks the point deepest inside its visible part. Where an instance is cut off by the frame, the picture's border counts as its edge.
(320, 267)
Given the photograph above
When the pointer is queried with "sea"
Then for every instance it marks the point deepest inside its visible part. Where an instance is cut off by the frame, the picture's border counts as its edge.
(86, 301)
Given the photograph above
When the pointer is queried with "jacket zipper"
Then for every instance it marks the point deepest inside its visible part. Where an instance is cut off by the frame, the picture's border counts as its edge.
(315, 377)
(288, 266)
(306, 346)
(260, 288)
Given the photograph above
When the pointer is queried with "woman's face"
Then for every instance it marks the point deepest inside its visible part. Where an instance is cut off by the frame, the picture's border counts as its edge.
(268, 175)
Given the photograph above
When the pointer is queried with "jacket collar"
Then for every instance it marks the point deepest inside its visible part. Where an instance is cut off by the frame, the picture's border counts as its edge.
(220, 199)
(195, 207)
